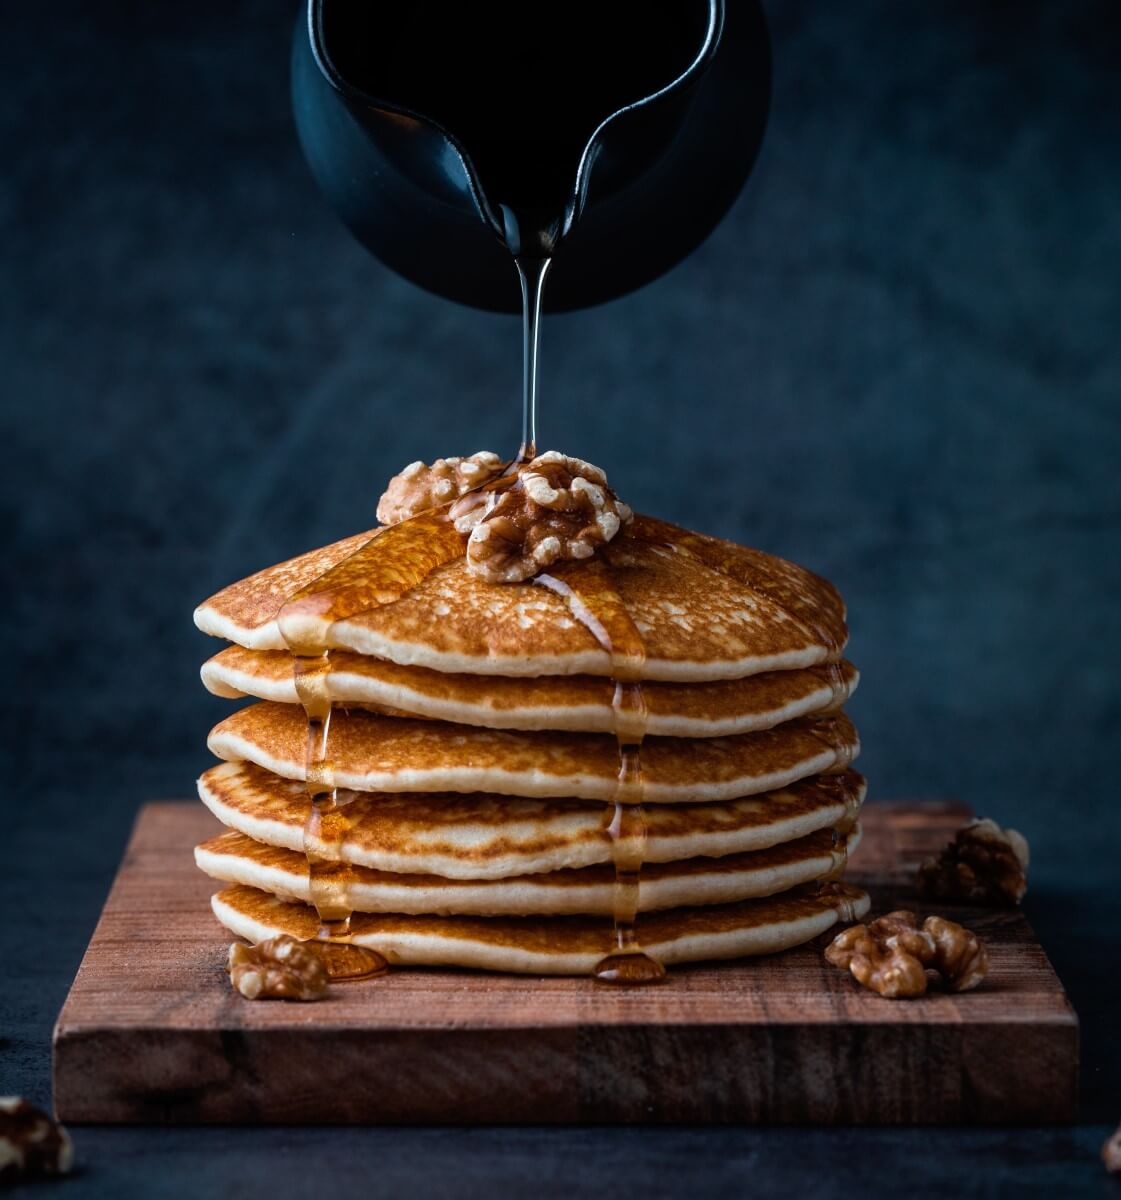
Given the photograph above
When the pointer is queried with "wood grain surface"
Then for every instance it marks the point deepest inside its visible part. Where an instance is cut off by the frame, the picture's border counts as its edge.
(152, 1032)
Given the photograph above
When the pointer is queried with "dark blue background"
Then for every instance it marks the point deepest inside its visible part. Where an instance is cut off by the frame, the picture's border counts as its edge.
(896, 361)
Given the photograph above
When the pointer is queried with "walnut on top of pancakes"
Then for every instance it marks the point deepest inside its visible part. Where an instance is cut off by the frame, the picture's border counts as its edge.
(419, 487)
(550, 509)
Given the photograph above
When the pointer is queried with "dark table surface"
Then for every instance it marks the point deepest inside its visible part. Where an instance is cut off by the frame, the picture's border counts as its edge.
(896, 361)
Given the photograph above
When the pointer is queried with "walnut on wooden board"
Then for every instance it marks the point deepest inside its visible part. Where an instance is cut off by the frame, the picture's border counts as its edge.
(1111, 1152)
(281, 968)
(982, 864)
(420, 487)
(897, 958)
(889, 955)
(559, 509)
(959, 955)
(31, 1143)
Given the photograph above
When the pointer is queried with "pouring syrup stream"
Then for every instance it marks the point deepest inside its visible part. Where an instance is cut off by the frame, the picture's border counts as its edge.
(531, 275)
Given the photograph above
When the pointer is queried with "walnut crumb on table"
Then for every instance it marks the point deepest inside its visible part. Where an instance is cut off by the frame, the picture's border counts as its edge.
(1111, 1152)
(31, 1143)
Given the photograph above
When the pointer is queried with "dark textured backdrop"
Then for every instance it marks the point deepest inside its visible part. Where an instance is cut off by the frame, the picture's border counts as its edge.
(896, 361)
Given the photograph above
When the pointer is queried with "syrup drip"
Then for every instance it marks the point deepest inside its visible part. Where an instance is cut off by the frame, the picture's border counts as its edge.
(379, 572)
(596, 604)
(848, 822)
(838, 686)
(325, 830)
(844, 794)
(841, 837)
(843, 898)
(834, 780)
(828, 733)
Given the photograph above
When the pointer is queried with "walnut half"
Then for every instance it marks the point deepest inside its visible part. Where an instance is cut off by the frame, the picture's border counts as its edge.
(30, 1142)
(983, 864)
(1111, 1152)
(558, 509)
(420, 487)
(281, 968)
(896, 958)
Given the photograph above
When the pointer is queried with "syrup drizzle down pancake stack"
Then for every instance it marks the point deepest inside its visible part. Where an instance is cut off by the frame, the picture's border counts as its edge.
(519, 729)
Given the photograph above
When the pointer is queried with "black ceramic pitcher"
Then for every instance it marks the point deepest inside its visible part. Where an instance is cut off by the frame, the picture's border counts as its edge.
(610, 134)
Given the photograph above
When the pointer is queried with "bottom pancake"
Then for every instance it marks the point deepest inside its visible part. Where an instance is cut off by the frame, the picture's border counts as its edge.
(559, 945)
(235, 858)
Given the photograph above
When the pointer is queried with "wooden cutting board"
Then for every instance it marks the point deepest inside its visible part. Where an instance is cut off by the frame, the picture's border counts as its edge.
(152, 1032)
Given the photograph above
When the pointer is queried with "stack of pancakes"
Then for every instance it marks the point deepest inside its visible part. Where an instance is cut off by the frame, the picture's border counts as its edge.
(473, 740)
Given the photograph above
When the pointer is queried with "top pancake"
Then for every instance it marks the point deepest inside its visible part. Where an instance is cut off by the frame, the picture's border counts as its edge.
(706, 609)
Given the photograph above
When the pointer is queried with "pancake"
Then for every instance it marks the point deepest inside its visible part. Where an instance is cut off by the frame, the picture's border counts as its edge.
(245, 612)
(235, 858)
(376, 753)
(707, 610)
(493, 837)
(578, 703)
(557, 945)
